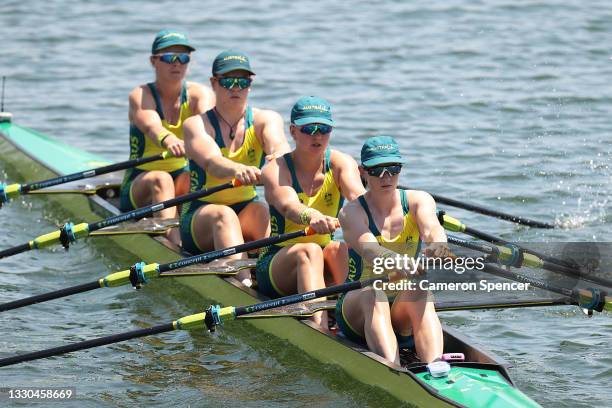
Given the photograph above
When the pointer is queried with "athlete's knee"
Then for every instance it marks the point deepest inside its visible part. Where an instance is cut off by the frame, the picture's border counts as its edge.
(161, 180)
(372, 299)
(308, 253)
(223, 216)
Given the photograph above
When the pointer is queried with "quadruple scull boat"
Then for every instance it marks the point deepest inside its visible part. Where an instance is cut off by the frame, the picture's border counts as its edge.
(482, 380)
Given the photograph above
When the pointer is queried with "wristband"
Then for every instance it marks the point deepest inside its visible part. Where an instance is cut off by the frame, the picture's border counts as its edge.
(161, 136)
(305, 216)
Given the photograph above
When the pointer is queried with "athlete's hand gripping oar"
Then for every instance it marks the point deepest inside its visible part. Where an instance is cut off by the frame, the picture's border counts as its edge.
(487, 211)
(209, 319)
(10, 191)
(512, 255)
(454, 225)
(140, 273)
(70, 232)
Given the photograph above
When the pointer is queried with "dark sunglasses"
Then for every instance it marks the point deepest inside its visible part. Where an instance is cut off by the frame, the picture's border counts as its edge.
(379, 171)
(172, 57)
(314, 128)
(230, 82)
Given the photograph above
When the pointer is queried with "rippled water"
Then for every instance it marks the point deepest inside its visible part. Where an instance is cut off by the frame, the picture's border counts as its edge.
(504, 103)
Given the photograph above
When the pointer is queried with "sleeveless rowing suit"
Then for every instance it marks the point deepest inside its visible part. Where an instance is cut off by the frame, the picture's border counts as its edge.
(251, 153)
(406, 242)
(327, 200)
(142, 146)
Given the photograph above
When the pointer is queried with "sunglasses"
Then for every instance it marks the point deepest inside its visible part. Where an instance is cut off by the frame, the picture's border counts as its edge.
(172, 57)
(313, 129)
(230, 82)
(379, 171)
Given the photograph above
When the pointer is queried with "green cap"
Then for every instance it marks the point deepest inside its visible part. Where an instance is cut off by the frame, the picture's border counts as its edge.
(231, 61)
(168, 38)
(380, 150)
(311, 109)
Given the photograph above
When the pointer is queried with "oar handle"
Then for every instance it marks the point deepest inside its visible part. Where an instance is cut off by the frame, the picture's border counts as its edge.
(102, 341)
(85, 287)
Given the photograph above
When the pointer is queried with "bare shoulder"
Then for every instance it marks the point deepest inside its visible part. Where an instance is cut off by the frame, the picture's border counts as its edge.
(341, 160)
(266, 115)
(418, 197)
(140, 94)
(201, 97)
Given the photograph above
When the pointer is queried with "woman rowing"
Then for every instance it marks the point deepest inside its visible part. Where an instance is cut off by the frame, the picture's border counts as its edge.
(157, 112)
(230, 141)
(306, 187)
(381, 223)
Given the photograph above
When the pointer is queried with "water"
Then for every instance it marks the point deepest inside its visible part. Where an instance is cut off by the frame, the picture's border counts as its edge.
(504, 103)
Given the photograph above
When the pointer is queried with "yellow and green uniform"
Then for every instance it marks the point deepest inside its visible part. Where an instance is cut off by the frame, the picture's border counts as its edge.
(406, 242)
(251, 153)
(143, 146)
(327, 200)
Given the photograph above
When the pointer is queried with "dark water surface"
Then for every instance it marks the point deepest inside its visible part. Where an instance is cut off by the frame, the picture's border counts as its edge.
(503, 103)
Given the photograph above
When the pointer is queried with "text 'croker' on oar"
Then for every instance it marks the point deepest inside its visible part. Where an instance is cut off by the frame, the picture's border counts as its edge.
(487, 211)
(209, 319)
(10, 191)
(70, 233)
(140, 273)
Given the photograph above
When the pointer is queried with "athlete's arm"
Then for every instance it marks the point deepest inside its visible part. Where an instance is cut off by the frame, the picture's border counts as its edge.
(272, 134)
(430, 230)
(202, 148)
(143, 115)
(201, 98)
(346, 174)
(281, 195)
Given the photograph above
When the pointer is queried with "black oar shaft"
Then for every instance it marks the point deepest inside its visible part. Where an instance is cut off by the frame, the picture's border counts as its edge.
(102, 341)
(306, 296)
(26, 188)
(487, 211)
(15, 250)
(149, 210)
(85, 287)
(221, 253)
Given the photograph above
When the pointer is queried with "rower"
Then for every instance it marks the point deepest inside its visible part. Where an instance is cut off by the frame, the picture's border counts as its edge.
(381, 223)
(231, 140)
(157, 111)
(307, 186)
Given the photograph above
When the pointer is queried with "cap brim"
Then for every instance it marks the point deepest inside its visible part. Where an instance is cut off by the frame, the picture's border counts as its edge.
(191, 49)
(377, 161)
(230, 69)
(313, 119)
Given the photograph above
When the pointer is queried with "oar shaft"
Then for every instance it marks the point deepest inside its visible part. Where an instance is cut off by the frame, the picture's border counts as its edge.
(149, 210)
(85, 287)
(28, 187)
(15, 250)
(102, 341)
(487, 211)
(303, 297)
(221, 253)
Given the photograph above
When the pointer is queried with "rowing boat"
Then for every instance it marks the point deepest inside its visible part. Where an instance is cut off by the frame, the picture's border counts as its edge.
(482, 380)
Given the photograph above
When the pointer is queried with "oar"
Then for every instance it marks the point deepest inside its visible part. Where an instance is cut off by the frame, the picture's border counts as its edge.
(10, 191)
(140, 273)
(212, 317)
(454, 225)
(487, 211)
(591, 299)
(512, 255)
(70, 232)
